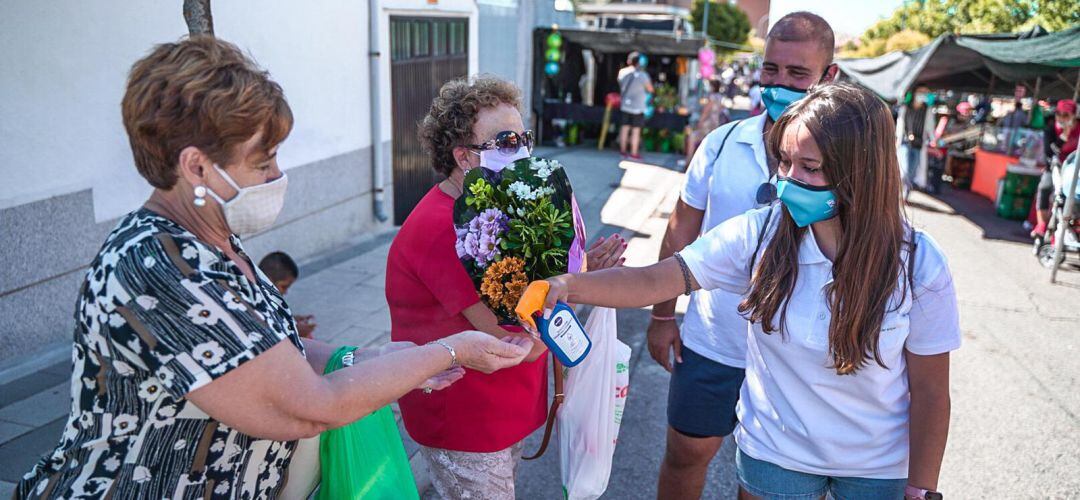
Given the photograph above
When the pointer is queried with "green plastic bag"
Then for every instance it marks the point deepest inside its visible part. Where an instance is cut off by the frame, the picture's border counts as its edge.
(364, 459)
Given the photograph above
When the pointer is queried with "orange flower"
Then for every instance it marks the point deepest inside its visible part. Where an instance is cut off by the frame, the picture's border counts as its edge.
(504, 282)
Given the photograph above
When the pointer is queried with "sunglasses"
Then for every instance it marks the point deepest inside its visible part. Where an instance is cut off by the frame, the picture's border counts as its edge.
(507, 142)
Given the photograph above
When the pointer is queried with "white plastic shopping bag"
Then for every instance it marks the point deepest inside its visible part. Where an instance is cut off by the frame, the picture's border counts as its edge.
(591, 413)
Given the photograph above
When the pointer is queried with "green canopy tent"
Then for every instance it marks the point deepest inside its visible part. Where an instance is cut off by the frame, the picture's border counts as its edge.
(974, 63)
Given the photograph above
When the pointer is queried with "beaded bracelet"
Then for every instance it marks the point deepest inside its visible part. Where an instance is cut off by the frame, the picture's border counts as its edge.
(685, 273)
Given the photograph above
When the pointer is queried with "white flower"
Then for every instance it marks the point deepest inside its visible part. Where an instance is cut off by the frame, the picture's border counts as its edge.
(146, 302)
(231, 301)
(208, 353)
(149, 261)
(202, 315)
(124, 423)
(189, 252)
(165, 415)
(134, 344)
(150, 389)
(86, 419)
(180, 444)
(222, 488)
(522, 191)
(141, 474)
(116, 320)
(217, 446)
(111, 464)
(165, 375)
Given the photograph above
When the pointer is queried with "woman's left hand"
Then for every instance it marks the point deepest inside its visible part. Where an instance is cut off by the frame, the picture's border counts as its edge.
(443, 380)
(605, 253)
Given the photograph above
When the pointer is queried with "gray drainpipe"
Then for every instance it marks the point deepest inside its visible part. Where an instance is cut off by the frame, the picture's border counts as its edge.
(378, 196)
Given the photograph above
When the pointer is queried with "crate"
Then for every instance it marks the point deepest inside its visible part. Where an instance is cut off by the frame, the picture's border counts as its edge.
(1013, 206)
(1020, 184)
(959, 170)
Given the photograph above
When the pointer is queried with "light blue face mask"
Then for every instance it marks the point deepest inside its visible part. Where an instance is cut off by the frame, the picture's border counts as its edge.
(777, 98)
(807, 204)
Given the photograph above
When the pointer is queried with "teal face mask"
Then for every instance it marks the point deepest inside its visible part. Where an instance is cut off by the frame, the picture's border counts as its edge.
(777, 98)
(807, 204)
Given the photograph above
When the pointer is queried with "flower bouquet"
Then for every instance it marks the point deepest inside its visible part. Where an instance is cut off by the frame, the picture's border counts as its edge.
(515, 226)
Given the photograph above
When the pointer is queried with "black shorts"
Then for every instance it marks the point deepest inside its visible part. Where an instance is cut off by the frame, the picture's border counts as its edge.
(702, 396)
(632, 119)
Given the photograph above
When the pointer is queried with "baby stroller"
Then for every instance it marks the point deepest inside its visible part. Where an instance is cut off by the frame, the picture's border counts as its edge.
(1044, 245)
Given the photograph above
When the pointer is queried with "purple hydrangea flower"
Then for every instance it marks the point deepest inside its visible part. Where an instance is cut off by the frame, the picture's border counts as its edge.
(480, 238)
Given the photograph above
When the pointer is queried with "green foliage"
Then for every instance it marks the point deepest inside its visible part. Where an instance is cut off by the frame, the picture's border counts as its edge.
(541, 238)
(906, 40)
(667, 97)
(933, 18)
(727, 22)
(541, 230)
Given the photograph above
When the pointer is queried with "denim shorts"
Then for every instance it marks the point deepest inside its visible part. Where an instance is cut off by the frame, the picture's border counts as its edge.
(702, 396)
(772, 482)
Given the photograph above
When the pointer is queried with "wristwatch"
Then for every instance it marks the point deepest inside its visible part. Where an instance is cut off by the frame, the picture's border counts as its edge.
(913, 493)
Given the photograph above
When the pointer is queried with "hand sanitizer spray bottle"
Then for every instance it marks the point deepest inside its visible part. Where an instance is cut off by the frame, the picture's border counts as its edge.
(562, 333)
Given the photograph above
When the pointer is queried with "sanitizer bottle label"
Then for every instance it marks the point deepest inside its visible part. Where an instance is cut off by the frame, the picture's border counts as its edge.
(565, 331)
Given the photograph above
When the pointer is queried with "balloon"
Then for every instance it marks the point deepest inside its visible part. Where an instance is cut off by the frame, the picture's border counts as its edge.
(643, 60)
(707, 71)
(554, 41)
(553, 55)
(706, 56)
(551, 68)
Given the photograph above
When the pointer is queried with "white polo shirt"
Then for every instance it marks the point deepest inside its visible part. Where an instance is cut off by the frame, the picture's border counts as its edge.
(723, 186)
(794, 410)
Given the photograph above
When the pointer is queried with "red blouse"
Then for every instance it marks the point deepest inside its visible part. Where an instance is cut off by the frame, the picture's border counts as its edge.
(427, 288)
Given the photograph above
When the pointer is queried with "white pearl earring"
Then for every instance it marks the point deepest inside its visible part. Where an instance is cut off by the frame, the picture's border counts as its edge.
(200, 196)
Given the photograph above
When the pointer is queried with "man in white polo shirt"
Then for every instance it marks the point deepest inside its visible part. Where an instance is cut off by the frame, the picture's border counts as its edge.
(730, 174)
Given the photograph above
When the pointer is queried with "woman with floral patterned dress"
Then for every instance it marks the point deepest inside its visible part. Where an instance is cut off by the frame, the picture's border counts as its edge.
(190, 379)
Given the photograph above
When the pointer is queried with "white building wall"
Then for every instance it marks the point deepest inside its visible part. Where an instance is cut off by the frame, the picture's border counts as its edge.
(62, 130)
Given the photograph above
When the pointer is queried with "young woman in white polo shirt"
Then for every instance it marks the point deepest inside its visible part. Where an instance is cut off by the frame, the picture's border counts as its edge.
(852, 312)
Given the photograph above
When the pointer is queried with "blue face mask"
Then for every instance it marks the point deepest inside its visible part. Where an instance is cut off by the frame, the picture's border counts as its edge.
(777, 98)
(807, 204)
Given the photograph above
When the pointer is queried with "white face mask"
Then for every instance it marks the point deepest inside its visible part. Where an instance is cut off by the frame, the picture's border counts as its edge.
(495, 161)
(254, 208)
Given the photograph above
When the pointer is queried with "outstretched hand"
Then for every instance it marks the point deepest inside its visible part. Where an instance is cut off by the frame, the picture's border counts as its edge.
(485, 353)
(605, 253)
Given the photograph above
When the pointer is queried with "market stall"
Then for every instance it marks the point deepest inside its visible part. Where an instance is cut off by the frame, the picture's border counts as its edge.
(570, 95)
(1047, 64)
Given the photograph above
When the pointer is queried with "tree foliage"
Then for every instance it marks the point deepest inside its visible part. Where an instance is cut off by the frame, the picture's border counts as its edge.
(933, 18)
(727, 23)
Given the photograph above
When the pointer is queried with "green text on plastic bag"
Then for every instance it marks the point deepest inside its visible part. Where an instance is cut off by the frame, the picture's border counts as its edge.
(364, 459)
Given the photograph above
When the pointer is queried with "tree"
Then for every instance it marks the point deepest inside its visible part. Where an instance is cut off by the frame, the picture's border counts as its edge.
(199, 19)
(933, 18)
(727, 23)
(906, 40)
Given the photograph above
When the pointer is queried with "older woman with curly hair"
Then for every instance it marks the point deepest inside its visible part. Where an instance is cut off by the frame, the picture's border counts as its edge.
(471, 433)
(190, 379)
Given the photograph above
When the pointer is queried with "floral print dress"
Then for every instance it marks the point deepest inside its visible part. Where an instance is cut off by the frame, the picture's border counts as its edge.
(159, 315)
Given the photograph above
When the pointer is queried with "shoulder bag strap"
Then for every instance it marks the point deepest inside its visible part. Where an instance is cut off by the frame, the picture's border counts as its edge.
(724, 140)
(556, 401)
(760, 239)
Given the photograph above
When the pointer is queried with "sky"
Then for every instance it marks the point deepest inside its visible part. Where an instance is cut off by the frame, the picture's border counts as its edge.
(847, 17)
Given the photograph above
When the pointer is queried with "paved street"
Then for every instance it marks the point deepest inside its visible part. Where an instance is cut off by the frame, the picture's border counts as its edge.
(1016, 399)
